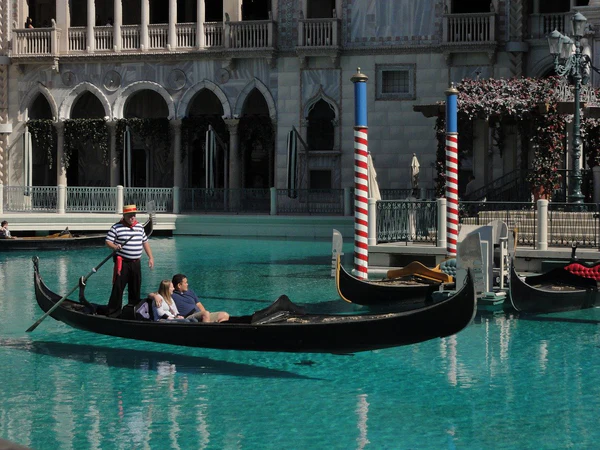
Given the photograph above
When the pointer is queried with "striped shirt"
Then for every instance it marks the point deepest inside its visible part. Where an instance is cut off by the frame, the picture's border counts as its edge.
(119, 234)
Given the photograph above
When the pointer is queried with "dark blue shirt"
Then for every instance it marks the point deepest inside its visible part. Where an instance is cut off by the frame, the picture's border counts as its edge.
(186, 302)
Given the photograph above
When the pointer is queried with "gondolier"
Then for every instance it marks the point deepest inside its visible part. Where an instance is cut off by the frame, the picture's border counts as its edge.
(129, 240)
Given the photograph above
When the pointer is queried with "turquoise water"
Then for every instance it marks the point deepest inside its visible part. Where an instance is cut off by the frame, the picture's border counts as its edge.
(504, 382)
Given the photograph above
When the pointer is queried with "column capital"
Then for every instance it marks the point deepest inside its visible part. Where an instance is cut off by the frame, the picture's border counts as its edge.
(175, 123)
(232, 124)
(59, 125)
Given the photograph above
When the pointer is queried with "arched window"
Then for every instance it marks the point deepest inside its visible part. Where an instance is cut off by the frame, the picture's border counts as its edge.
(320, 132)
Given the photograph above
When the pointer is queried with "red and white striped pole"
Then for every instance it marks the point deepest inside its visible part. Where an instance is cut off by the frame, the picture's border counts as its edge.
(361, 176)
(451, 171)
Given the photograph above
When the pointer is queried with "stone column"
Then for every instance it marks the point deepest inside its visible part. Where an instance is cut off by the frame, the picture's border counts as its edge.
(200, 41)
(176, 149)
(235, 176)
(117, 23)
(91, 22)
(113, 159)
(63, 21)
(172, 24)
(144, 39)
(61, 171)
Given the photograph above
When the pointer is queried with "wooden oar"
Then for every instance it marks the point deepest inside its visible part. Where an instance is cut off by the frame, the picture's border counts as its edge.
(84, 279)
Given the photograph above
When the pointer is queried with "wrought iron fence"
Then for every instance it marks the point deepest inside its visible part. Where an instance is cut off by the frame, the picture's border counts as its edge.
(310, 201)
(91, 199)
(163, 197)
(519, 215)
(231, 201)
(399, 221)
(30, 198)
(568, 223)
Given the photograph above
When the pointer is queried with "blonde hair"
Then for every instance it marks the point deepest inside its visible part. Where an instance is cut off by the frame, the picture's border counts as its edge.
(163, 290)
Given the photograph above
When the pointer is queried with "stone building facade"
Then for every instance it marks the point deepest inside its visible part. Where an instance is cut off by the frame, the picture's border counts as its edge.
(256, 69)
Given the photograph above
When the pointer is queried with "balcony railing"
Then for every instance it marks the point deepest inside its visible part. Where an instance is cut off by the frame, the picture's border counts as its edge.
(246, 35)
(543, 24)
(104, 38)
(319, 33)
(249, 35)
(477, 28)
(35, 42)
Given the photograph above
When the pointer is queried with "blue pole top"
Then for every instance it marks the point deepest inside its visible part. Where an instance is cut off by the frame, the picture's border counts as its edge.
(451, 109)
(360, 98)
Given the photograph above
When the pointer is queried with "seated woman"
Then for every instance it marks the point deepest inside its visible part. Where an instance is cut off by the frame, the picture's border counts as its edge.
(164, 306)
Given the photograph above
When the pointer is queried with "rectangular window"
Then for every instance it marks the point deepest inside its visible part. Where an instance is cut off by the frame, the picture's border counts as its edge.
(395, 82)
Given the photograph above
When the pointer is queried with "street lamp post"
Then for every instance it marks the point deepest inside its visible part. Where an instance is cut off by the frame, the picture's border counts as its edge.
(574, 65)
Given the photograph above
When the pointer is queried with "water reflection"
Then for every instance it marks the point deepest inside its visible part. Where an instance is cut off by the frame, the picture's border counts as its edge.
(143, 359)
(362, 409)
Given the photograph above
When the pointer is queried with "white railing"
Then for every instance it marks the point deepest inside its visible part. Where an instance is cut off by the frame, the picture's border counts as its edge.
(163, 197)
(104, 38)
(542, 25)
(213, 34)
(231, 35)
(469, 28)
(250, 34)
(33, 41)
(158, 36)
(186, 35)
(130, 37)
(29, 199)
(318, 33)
(91, 199)
(77, 39)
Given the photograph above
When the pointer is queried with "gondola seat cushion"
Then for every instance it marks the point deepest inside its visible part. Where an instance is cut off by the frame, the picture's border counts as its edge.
(584, 271)
(449, 267)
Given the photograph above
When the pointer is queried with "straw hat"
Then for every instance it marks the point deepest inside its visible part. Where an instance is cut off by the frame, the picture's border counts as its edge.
(130, 209)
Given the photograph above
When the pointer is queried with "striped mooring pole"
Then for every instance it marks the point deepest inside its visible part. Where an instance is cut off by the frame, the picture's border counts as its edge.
(451, 171)
(361, 176)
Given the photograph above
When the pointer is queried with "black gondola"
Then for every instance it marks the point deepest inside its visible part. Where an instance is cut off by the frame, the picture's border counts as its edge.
(53, 242)
(406, 293)
(281, 327)
(555, 291)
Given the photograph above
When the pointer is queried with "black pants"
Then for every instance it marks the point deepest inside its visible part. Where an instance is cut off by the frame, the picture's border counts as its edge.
(131, 276)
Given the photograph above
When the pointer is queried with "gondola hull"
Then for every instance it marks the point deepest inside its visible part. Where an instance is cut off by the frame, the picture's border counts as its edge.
(52, 243)
(409, 295)
(286, 332)
(555, 291)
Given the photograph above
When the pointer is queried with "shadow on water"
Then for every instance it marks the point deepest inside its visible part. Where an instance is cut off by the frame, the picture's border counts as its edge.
(534, 318)
(145, 360)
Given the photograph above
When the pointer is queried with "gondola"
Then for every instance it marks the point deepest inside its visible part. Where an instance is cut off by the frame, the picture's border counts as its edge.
(282, 327)
(59, 241)
(404, 293)
(555, 291)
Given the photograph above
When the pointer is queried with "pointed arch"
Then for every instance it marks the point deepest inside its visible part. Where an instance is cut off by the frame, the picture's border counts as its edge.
(184, 103)
(320, 95)
(119, 105)
(66, 106)
(542, 67)
(259, 85)
(33, 93)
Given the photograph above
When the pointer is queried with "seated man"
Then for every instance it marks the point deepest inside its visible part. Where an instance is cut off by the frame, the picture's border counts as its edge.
(189, 305)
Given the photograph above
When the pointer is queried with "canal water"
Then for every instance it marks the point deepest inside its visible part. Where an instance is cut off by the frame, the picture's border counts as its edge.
(505, 382)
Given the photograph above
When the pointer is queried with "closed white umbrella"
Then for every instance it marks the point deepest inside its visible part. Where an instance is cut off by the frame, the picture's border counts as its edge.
(414, 171)
(373, 186)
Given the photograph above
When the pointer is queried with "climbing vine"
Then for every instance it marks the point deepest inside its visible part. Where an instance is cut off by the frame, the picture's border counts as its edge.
(81, 131)
(43, 134)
